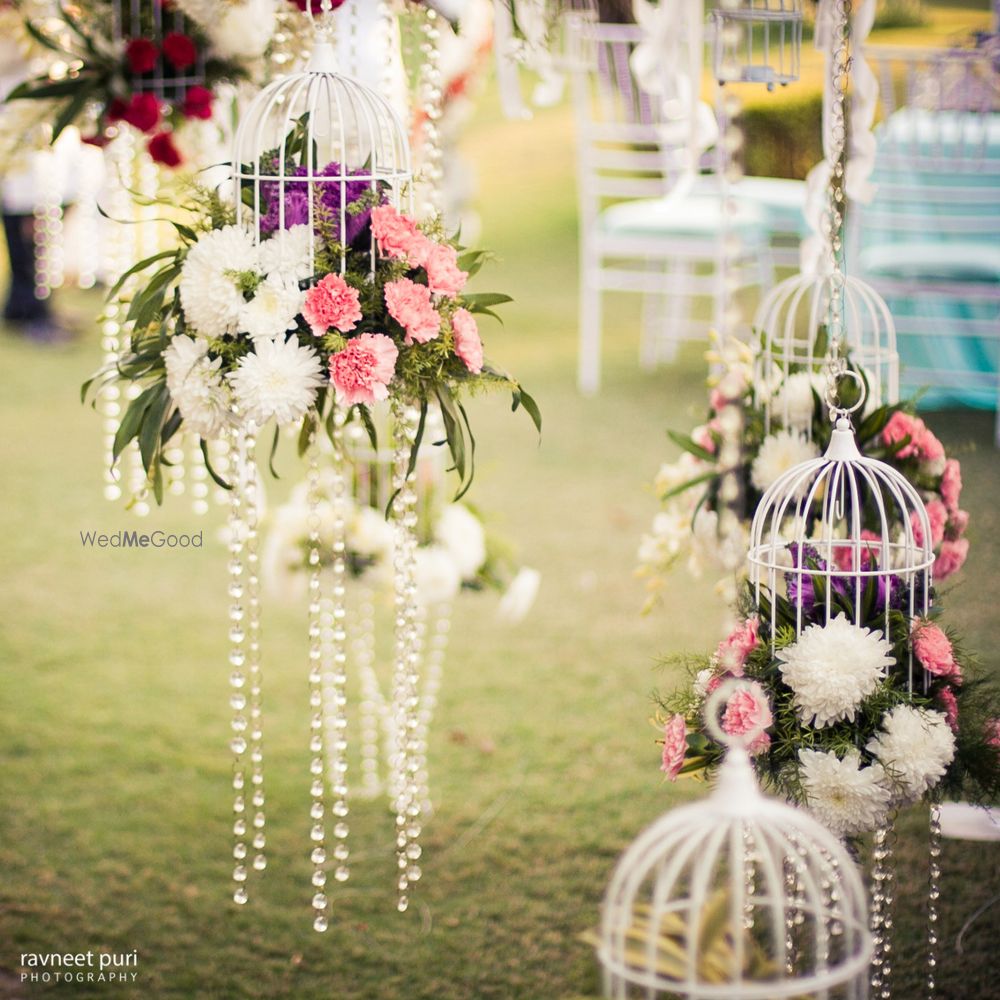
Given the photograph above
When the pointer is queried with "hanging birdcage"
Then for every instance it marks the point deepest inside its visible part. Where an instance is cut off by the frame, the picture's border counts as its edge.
(737, 897)
(757, 41)
(793, 322)
(842, 531)
(179, 60)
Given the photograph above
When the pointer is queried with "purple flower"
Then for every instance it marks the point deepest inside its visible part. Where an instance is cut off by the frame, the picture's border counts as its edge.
(799, 583)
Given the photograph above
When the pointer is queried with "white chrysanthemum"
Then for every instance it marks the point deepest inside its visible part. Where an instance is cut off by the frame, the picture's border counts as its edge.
(915, 745)
(279, 380)
(370, 534)
(286, 255)
(210, 295)
(462, 534)
(777, 455)
(196, 386)
(671, 531)
(794, 401)
(844, 796)
(272, 310)
(242, 31)
(436, 576)
(832, 668)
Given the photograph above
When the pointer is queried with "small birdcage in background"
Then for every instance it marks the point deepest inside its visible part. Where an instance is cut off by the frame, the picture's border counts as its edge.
(757, 41)
(793, 323)
(737, 897)
(181, 56)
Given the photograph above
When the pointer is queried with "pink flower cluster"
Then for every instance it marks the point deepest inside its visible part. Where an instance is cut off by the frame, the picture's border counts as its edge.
(934, 651)
(922, 443)
(399, 238)
(468, 344)
(731, 654)
(362, 371)
(332, 304)
(748, 713)
(674, 746)
(410, 305)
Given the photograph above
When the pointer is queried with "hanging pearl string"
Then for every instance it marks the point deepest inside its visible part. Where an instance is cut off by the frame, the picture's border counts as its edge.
(436, 628)
(317, 810)
(406, 672)
(933, 895)
(373, 709)
(881, 915)
(238, 682)
(431, 97)
(198, 475)
(48, 229)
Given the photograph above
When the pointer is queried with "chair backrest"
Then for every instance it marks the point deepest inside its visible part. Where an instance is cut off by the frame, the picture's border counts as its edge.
(937, 167)
(619, 126)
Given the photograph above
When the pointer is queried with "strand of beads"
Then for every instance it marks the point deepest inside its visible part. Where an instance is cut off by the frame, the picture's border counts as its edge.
(881, 919)
(48, 228)
(406, 666)
(431, 97)
(437, 624)
(237, 681)
(933, 895)
(372, 705)
(334, 646)
(252, 518)
(317, 810)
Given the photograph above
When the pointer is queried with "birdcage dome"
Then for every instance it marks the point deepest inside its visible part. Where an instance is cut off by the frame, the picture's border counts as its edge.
(737, 897)
(846, 525)
(314, 145)
(793, 321)
(757, 41)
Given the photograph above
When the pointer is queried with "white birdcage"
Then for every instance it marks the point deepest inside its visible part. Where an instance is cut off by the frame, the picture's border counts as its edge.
(737, 897)
(312, 143)
(842, 531)
(793, 322)
(154, 20)
(757, 41)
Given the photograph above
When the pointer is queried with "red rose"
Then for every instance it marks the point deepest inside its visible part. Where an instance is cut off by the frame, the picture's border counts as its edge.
(141, 54)
(142, 112)
(116, 109)
(162, 150)
(198, 103)
(179, 50)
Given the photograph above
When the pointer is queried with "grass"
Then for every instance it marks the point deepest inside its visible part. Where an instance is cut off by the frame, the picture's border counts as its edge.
(113, 762)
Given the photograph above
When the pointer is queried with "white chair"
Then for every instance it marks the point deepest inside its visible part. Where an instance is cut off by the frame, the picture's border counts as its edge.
(929, 241)
(640, 231)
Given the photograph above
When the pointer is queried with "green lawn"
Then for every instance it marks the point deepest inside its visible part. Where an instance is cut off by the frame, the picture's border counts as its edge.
(114, 771)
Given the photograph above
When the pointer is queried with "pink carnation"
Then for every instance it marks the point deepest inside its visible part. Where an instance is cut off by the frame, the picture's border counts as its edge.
(362, 371)
(468, 345)
(733, 651)
(947, 700)
(332, 303)
(957, 523)
(902, 425)
(444, 276)
(843, 554)
(702, 436)
(716, 400)
(409, 304)
(992, 733)
(929, 448)
(937, 514)
(951, 558)
(674, 746)
(934, 651)
(749, 714)
(951, 484)
(398, 236)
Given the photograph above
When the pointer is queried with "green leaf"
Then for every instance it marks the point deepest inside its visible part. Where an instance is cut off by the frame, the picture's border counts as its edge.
(135, 269)
(274, 448)
(522, 398)
(452, 429)
(132, 420)
(480, 301)
(685, 442)
(305, 435)
(369, 425)
(472, 453)
(684, 487)
(216, 478)
(73, 108)
(152, 425)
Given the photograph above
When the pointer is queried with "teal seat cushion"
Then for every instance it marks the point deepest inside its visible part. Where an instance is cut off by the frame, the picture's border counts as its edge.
(781, 200)
(953, 261)
(695, 215)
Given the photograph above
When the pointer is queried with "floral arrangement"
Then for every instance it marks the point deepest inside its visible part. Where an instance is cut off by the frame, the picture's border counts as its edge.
(153, 81)
(281, 328)
(828, 712)
(710, 493)
(454, 549)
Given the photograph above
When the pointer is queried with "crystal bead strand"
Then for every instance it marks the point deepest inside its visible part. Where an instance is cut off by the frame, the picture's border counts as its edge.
(48, 229)
(198, 474)
(317, 810)
(933, 895)
(431, 96)
(238, 681)
(881, 922)
(173, 469)
(435, 650)
(251, 487)
(406, 699)
(749, 879)
(372, 706)
(334, 640)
